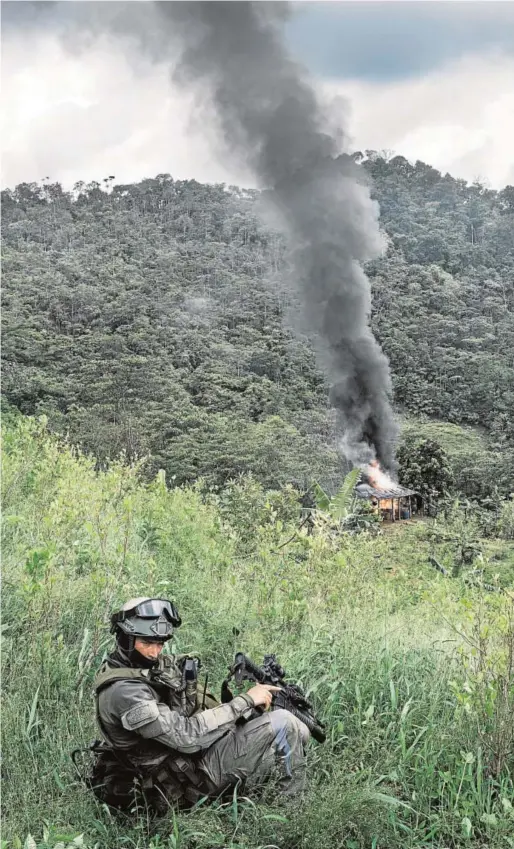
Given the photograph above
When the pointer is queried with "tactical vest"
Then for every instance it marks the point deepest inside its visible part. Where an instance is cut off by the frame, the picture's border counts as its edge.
(167, 679)
(149, 774)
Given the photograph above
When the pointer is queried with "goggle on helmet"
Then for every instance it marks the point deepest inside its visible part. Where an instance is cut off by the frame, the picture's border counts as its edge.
(148, 618)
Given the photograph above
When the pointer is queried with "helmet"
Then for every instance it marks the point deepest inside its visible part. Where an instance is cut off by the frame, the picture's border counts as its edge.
(149, 618)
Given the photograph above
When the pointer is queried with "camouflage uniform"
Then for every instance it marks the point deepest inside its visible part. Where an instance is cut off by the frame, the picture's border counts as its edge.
(167, 749)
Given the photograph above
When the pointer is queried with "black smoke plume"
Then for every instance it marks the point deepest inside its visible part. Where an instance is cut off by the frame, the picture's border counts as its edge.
(271, 119)
(270, 115)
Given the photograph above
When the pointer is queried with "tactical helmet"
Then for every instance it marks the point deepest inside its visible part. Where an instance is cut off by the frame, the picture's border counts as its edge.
(149, 618)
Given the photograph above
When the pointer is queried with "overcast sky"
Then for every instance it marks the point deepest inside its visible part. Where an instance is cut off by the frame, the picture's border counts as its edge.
(430, 80)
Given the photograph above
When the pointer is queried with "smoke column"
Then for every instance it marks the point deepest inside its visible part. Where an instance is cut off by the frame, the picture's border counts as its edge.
(270, 119)
(269, 114)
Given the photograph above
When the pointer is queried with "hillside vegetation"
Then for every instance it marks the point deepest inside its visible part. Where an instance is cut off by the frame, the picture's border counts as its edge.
(161, 423)
(412, 671)
(153, 319)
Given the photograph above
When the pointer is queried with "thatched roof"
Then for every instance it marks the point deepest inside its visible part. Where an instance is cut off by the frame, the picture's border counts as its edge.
(365, 490)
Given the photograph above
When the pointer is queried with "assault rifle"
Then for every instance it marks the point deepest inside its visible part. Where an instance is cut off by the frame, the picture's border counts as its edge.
(291, 697)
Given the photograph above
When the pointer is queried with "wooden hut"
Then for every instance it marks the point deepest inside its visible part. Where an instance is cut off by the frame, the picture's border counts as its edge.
(394, 503)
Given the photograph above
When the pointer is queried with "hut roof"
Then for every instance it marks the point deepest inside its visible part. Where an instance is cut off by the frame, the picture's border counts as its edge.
(365, 490)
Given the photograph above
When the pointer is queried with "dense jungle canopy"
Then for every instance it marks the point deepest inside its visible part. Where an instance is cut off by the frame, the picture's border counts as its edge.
(155, 319)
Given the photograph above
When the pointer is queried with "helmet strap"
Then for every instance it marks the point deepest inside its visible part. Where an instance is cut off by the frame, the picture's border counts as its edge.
(125, 641)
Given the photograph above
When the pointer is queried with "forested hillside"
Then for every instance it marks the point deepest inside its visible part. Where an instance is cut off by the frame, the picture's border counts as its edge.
(154, 319)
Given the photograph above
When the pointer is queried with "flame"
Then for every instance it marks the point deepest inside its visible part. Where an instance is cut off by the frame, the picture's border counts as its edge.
(377, 477)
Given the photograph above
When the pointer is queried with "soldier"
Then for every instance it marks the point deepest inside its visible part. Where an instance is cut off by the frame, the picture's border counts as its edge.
(168, 742)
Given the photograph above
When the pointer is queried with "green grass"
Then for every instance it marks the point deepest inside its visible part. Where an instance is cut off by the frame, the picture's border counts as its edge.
(456, 440)
(418, 721)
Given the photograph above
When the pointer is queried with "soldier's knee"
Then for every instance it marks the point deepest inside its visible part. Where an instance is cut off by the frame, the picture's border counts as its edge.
(283, 721)
(303, 731)
(297, 727)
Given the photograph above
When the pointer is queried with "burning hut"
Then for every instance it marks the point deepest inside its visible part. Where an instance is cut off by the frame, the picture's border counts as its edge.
(393, 501)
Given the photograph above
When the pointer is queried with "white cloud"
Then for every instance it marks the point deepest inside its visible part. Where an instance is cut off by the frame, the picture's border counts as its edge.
(84, 116)
(459, 118)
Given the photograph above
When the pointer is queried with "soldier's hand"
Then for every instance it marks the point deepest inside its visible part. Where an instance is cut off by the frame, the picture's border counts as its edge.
(262, 693)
